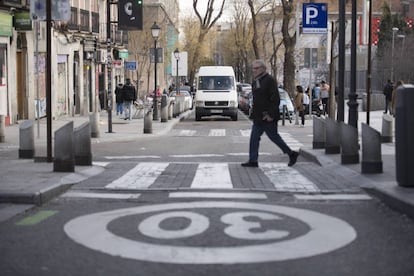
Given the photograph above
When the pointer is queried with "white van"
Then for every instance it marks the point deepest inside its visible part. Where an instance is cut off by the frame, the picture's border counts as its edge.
(216, 92)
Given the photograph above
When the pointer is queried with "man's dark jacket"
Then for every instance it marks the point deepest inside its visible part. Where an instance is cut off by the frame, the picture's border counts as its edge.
(266, 98)
(129, 92)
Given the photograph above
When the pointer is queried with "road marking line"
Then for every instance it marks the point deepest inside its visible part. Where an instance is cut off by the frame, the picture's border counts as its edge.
(212, 175)
(217, 195)
(287, 179)
(140, 177)
(195, 155)
(101, 195)
(334, 197)
(217, 132)
(187, 132)
(36, 218)
(134, 157)
(245, 132)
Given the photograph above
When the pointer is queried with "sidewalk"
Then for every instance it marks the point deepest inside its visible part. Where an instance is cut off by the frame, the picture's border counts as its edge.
(383, 185)
(31, 183)
(25, 183)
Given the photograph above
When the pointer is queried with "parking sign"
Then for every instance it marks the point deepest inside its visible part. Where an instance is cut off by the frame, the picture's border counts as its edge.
(315, 18)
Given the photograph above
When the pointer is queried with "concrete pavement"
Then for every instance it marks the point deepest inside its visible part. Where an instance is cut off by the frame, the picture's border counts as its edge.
(24, 183)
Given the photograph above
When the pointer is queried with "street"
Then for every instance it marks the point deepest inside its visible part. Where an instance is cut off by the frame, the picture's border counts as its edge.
(181, 204)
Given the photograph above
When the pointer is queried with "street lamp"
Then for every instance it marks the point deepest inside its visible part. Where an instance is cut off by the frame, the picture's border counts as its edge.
(394, 30)
(177, 58)
(155, 32)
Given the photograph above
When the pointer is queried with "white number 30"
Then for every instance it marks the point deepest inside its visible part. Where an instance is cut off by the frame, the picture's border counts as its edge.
(238, 227)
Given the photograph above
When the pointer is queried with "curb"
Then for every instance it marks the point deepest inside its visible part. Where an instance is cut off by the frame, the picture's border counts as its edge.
(49, 193)
(397, 198)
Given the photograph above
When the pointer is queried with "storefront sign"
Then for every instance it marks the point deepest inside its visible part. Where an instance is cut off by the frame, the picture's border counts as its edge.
(6, 25)
(22, 21)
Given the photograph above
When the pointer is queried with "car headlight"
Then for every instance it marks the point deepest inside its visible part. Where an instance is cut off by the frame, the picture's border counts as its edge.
(232, 104)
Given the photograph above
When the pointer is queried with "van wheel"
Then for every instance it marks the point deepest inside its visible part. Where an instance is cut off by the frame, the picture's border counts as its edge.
(234, 117)
(197, 117)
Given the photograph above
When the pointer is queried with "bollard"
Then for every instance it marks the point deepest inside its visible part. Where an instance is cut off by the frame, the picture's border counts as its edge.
(284, 109)
(148, 121)
(371, 150)
(64, 160)
(2, 130)
(318, 133)
(164, 109)
(404, 135)
(26, 139)
(332, 137)
(94, 124)
(83, 151)
(386, 131)
(349, 144)
(170, 109)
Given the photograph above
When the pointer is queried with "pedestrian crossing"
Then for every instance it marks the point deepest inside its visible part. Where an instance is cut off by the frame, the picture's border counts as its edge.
(209, 175)
(287, 137)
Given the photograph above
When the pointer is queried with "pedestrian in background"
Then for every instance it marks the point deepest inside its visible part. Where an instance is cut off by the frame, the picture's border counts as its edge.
(130, 95)
(119, 99)
(265, 115)
(325, 97)
(306, 101)
(387, 91)
(299, 103)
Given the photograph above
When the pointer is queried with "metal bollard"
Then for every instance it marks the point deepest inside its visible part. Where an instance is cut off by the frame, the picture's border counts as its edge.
(404, 135)
(148, 121)
(2, 131)
(164, 109)
(94, 124)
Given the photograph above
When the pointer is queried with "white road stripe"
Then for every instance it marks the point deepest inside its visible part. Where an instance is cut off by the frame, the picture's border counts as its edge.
(100, 195)
(140, 177)
(245, 132)
(134, 157)
(288, 179)
(217, 195)
(187, 132)
(195, 155)
(212, 175)
(334, 197)
(217, 132)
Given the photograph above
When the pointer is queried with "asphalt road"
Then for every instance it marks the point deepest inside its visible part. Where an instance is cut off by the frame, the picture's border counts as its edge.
(181, 204)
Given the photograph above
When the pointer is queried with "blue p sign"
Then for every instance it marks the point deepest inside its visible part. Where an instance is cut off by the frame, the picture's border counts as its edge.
(315, 18)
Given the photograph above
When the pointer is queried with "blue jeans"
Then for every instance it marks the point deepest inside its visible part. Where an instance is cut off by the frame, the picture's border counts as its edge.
(128, 109)
(271, 131)
(119, 108)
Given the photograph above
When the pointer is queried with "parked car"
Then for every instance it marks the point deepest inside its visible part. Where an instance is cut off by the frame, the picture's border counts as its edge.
(188, 98)
(244, 91)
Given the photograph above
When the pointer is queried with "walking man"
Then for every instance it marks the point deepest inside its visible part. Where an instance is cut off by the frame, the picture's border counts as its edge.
(265, 115)
(130, 95)
(388, 88)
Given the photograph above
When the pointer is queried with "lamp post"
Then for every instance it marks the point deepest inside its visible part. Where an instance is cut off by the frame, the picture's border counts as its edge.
(155, 32)
(394, 30)
(177, 58)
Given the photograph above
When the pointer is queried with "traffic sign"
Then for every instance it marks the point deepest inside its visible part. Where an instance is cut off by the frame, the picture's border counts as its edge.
(315, 18)
(131, 65)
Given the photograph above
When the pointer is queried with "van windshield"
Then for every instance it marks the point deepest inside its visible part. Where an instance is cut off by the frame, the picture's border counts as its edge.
(216, 83)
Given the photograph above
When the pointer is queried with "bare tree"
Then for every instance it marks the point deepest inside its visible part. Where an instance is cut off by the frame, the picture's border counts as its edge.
(289, 41)
(255, 9)
(206, 22)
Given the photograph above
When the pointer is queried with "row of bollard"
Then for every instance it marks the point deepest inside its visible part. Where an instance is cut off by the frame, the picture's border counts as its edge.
(340, 138)
(72, 146)
(337, 137)
(169, 109)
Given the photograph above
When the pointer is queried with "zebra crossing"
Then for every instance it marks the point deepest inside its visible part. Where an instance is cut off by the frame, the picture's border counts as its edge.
(287, 137)
(209, 175)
